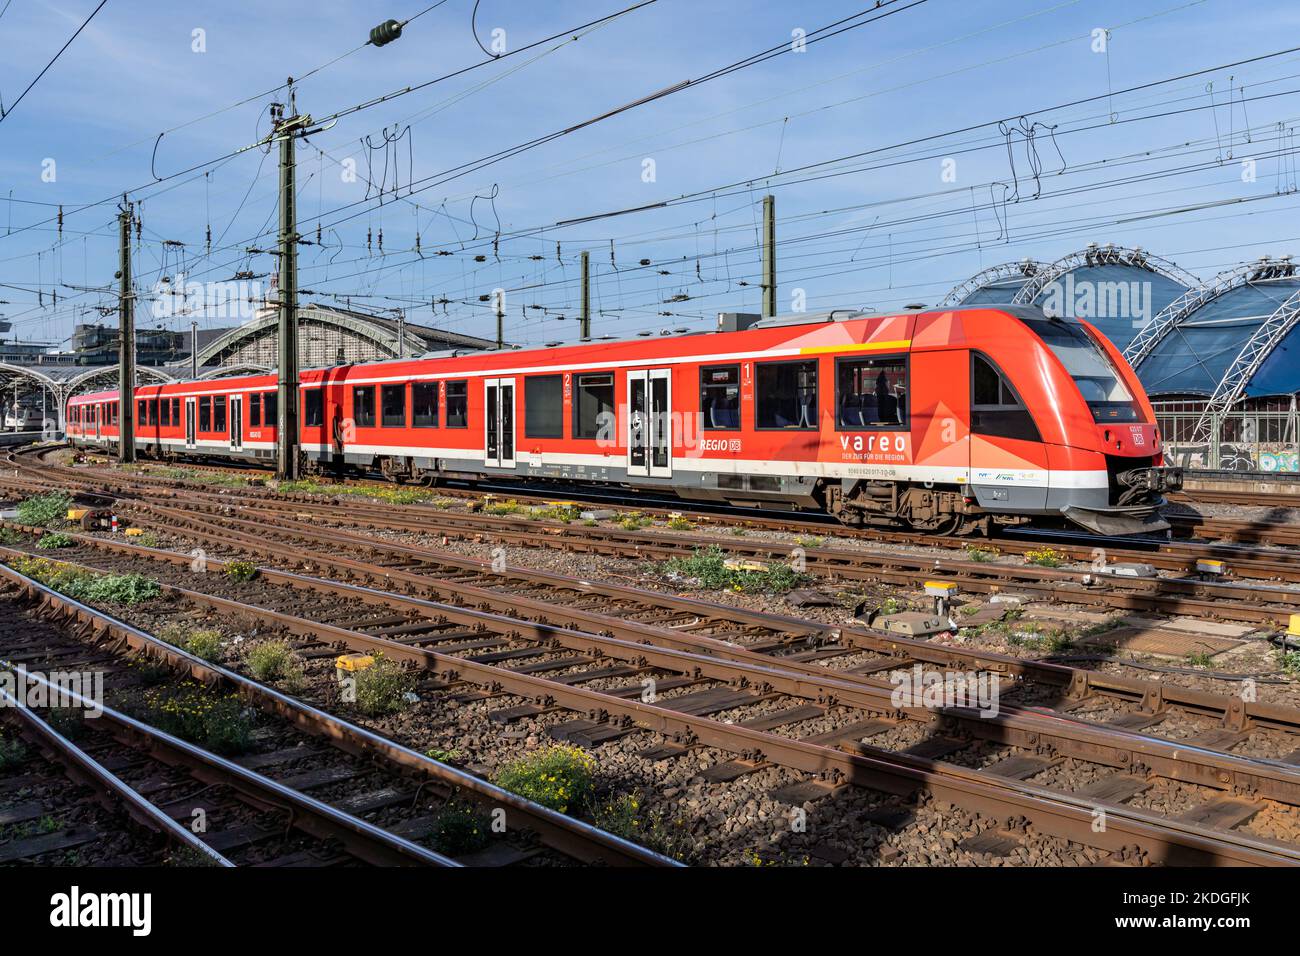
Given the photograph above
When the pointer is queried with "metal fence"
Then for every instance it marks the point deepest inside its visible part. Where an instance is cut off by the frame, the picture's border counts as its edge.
(1266, 439)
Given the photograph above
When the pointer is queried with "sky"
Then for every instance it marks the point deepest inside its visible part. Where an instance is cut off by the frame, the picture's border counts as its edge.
(169, 102)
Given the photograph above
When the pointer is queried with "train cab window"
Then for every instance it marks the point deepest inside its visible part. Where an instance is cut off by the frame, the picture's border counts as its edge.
(255, 410)
(996, 408)
(313, 408)
(871, 394)
(786, 395)
(424, 404)
(205, 413)
(457, 404)
(270, 408)
(720, 397)
(593, 405)
(219, 413)
(363, 405)
(1095, 375)
(392, 406)
(544, 406)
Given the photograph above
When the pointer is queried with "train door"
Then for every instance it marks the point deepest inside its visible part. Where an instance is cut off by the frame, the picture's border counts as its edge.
(650, 423)
(236, 422)
(1007, 467)
(97, 416)
(189, 424)
(499, 422)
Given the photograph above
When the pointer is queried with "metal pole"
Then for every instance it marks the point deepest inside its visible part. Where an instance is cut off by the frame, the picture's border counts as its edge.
(287, 419)
(501, 319)
(585, 316)
(401, 333)
(769, 256)
(194, 349)
(126, 357)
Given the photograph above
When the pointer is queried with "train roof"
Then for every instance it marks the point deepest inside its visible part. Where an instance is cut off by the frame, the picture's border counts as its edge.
(578, 350)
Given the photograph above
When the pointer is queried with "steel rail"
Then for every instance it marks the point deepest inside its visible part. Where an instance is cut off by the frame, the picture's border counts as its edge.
(1060, 814)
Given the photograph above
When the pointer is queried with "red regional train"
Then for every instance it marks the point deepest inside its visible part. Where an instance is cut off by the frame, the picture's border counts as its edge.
(942, 421)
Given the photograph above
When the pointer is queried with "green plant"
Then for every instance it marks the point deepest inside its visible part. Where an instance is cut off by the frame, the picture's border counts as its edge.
(459, 829)
(382, 687)
(812, 541)
(624, 816)
(241, 570)
(443, 756)
(55, 539)
(981, 555)
(558, 777)
(1045, 557)
(710, 567)
(678, 522)
(12, 752)
(560, 512)
(45, 510)
(1289, 661)
(502, 508)
(631, 520)
(891, 606)
(215, 721)
(83, 585)
(204, 644)
(9, 536)
(1198, 659)
(272, 660)
(148, 539)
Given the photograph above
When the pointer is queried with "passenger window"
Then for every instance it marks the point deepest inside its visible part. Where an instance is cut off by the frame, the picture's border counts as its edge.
(786, 395)
(313, 413)
(544, 406)
(424, 404)
(996, 408)
(593, 405)
(392, 400)
(205, 414)
(270, 405)
(219, 413)
(458, 404)
(720, 397)
(363, 405)
(871, 393)
(255, 410)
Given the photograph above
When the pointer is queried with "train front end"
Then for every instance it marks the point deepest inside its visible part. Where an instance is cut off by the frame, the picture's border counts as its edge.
(1112, 433)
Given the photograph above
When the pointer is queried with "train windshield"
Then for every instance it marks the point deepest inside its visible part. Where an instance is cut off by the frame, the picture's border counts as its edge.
(1092, 370)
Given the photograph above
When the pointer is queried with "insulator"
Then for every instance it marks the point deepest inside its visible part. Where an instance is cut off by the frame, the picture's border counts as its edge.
(385, 33)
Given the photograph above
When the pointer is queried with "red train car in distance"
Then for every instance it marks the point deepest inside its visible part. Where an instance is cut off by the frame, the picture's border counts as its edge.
(935, 420)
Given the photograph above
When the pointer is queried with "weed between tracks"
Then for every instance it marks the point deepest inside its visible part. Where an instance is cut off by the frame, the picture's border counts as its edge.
(55, 539)
(44, 511)
(558, 777)
(459, 829)
(12, 752)
(1045, 557)
(200, 643)
(623, 816)
(218, 722)
(129, 589)
(708, 567)
(275, 662)
(382, 687)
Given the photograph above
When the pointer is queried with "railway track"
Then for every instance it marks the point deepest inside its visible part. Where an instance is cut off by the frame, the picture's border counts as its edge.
(236, 815)
(319, 791)
(1256, 603)
(767, 699)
